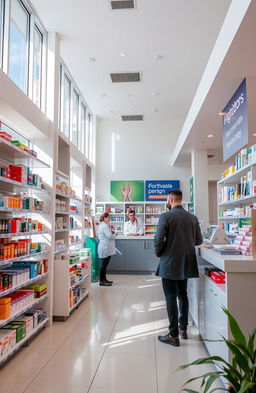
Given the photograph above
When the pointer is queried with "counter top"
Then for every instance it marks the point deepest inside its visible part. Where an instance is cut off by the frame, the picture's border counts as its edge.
(144, 237)
(228, 263)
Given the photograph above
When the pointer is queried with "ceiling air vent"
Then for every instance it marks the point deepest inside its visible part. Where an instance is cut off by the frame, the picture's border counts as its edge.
(132, 118)
(122, 4)
(121, 77)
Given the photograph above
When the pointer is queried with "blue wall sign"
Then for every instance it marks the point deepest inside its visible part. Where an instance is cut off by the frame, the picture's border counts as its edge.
(235, 123)
(156, 190)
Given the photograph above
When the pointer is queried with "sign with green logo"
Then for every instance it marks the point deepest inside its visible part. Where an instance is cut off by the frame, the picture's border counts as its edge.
(245, 221)
(191, 196)
(126, 191)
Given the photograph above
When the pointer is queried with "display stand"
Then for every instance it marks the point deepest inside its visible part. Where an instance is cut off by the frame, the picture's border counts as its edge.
(34, 206)
(63, 305)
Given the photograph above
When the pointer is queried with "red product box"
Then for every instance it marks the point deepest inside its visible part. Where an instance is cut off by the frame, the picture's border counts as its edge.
(5, 136)
(218, 277)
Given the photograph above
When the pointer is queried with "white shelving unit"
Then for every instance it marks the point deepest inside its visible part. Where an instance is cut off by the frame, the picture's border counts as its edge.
(62, 306)
(71, 174)
(147, 212)
(236, 198)
(11, 154)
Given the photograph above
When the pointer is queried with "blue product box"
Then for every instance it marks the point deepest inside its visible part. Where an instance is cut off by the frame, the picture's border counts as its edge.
(33, 269)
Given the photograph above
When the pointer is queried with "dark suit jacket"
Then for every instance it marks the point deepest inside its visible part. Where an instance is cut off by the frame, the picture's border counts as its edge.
(177, 234)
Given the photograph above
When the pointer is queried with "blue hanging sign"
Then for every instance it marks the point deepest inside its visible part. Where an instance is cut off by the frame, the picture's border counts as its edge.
(235, 123)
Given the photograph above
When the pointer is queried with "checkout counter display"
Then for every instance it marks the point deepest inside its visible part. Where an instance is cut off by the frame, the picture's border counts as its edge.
(215, 235)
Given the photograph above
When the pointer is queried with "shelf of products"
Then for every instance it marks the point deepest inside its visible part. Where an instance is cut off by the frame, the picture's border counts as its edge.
(146, 212)
(16, 151)
(73, 277)
(18, 234)
(11, 260)
(237, 189)
(79, 297)
(25, 283)
(31, 329)
(32, 304)
(63, 249)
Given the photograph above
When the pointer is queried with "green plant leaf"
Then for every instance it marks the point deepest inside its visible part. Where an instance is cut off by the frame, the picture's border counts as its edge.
(203, 376)
(244, 349)
(190, 391)
(233, 376)
(246, 386)
(206, 360)
(210, 381)
(250, 345)
(235, 329)
(241, 360)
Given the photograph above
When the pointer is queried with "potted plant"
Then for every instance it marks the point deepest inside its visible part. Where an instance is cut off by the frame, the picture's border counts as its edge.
(240, 374)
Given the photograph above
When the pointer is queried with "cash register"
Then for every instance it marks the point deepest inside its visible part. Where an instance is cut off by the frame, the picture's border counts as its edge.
(215, 235)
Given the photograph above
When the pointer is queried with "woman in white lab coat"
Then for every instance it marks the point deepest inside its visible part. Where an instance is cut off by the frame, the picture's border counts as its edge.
(106, 247)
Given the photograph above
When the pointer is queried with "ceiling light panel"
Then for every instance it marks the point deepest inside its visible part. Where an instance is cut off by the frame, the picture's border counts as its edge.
(122, 4)
(122, 77)
(132, 117)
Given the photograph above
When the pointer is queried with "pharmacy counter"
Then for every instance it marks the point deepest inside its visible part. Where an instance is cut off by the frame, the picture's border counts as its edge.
(207, 298)
(135, 254)
(228, 263)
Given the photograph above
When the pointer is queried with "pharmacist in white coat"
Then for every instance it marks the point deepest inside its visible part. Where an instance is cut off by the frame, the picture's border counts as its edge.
(106, 248)
(133, 227)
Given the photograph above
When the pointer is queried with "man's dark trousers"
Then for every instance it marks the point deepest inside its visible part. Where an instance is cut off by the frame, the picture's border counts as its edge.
(174, 289)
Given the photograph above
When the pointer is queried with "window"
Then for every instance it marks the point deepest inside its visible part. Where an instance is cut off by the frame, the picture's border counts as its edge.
(18, 45)
(90, 138)
(66, 106)
(75, 118)
(75, 121)
(81, 141)
(37, 66)
(1, 29)
(87, 136)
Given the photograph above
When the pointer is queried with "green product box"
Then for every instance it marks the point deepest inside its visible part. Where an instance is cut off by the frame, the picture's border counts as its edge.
(245, 221)
(20, 329)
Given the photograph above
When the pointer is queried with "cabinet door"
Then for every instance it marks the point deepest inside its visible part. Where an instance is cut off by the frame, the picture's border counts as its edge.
(151, 259)
(134, 255)
(117, 260)
(215, 319)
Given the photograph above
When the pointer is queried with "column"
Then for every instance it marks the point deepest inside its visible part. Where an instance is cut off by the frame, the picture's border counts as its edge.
(199, 167)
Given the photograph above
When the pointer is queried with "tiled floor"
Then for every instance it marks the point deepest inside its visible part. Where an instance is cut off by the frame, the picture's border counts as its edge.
(109, 345)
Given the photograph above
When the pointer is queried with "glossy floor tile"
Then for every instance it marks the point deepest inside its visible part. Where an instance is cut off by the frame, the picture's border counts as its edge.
(110, 344)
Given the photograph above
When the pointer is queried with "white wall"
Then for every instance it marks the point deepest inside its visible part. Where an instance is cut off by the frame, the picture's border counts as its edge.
(138, 151)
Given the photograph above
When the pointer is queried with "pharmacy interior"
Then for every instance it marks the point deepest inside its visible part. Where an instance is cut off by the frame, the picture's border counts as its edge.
(57, 179)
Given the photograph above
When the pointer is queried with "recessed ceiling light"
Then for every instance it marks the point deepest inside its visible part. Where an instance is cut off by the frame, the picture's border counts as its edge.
(222, 113)
(210, 136)
(91, 59)
(155, 94)
(123, 54)
(158, 57)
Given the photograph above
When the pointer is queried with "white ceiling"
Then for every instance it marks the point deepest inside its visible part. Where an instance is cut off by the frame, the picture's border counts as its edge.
(239, 63)
(182, 31)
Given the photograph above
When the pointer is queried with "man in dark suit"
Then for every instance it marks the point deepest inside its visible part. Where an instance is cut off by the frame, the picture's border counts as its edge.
(177, 234)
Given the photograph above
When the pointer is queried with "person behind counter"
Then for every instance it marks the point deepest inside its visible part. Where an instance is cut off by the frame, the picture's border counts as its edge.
(106, 248)
(133, 227)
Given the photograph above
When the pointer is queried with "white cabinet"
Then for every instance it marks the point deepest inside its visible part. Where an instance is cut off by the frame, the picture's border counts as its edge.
(215, 318)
